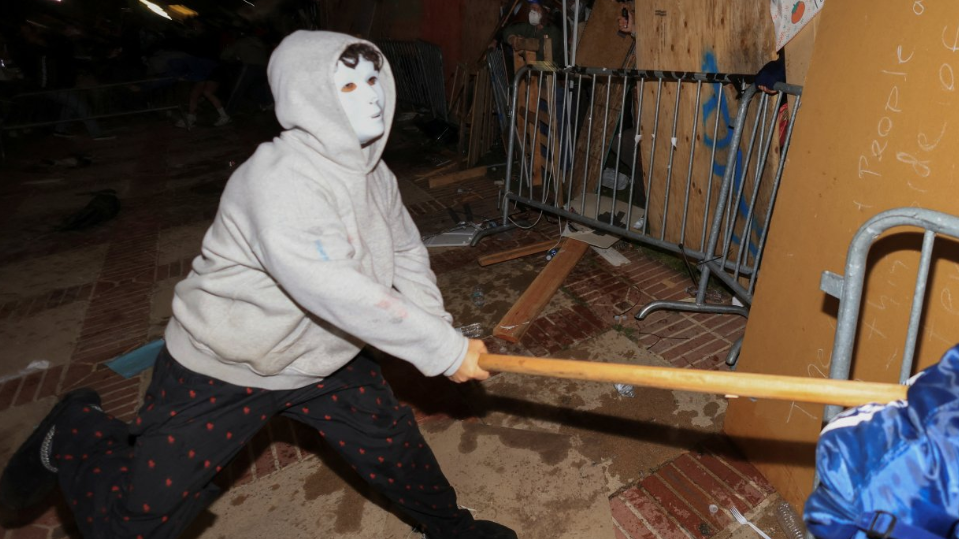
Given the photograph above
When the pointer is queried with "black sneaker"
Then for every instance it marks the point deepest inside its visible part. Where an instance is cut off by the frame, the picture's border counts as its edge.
(485, 529)
(26, 481)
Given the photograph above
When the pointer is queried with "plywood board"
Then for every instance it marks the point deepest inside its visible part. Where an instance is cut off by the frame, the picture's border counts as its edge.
(703, 35)
(799, 53)
(694, 35)
(600, 45)
(857, 150)
(479, 21)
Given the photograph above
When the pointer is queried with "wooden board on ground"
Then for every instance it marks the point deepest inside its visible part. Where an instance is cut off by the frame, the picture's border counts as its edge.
(519, 252)
(449, 179)
(512, 327)
(455, 163)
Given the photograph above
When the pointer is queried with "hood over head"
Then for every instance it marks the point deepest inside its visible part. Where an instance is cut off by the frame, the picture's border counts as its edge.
(301, 76)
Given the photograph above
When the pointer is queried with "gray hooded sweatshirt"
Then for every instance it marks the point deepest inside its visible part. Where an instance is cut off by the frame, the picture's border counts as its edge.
(312, 253)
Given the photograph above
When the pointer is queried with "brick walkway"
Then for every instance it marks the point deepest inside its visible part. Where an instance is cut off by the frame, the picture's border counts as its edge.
(671, 503)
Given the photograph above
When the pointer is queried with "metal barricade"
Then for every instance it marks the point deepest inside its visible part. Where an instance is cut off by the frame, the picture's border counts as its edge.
(848, 288)
(571, 154)
(500, 83)
(418, 69)
(85, 104)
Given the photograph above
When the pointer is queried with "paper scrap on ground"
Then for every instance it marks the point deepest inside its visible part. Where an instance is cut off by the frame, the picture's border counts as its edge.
(34, 366)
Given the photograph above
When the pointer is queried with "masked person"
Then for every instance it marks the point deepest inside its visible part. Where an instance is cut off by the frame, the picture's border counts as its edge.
(537, 28)
(311, 256)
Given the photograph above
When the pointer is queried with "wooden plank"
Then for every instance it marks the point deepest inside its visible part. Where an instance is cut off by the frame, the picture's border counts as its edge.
(442, 169)
(450, 179)
(480, 109)
(470, 23)
(512, 254)
(600, 45)
(512, 327)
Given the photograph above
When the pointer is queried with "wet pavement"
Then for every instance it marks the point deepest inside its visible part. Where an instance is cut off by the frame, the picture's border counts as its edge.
(551, 458)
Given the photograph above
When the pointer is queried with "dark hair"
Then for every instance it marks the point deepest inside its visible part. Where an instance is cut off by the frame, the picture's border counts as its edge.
(351, 56)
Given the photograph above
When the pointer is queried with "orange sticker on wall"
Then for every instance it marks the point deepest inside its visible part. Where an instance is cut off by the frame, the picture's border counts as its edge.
(789, 17)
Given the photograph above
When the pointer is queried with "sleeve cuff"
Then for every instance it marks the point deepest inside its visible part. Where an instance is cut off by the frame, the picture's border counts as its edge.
(459, 360)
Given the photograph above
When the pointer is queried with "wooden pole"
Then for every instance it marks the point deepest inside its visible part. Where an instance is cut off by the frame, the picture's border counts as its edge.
(740, 384)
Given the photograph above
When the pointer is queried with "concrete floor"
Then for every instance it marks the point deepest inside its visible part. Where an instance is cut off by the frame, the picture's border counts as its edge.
(551, 458)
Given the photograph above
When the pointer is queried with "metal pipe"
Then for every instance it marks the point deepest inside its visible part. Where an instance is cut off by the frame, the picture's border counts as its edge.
(602, 159)
(511, 145)
(918, 298)
(712, 167)
(775, 189)
(669, 165)
(692, 156)
(575, 33)
(652, 155)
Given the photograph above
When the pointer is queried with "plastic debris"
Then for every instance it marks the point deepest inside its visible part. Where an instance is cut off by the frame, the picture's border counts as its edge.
(472, 331)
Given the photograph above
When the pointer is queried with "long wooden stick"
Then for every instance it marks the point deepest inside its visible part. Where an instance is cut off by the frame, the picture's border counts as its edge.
(741, 384)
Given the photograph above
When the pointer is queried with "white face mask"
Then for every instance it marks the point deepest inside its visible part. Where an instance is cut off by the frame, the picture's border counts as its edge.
(535, 17)
(362, 98)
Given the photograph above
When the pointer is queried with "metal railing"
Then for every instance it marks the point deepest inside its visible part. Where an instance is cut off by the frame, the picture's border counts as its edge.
(848, 288)
(499, 80)
(418, 69)
(573, 153)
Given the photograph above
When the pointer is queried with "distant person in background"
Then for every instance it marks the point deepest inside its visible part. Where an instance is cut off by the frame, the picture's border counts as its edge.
(200, 65)
(48, 61)
(537, 27)
(771, 73)
(199, 71)
(253, 54)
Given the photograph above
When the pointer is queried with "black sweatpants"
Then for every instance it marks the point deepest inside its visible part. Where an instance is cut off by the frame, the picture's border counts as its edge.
(151, 478)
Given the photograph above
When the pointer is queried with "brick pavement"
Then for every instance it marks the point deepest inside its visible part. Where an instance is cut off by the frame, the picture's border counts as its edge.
(672, 502)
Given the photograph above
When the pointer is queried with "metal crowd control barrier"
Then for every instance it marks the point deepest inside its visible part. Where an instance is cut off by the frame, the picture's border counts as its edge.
(571, 154)
(85, 104)
(848, 288)
(418, 69)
